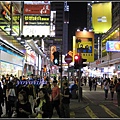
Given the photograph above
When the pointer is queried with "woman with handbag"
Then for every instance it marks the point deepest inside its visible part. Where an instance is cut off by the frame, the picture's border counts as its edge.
(11, 98)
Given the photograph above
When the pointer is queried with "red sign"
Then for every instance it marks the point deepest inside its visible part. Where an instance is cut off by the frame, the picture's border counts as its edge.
(43, 9)
(68, 59)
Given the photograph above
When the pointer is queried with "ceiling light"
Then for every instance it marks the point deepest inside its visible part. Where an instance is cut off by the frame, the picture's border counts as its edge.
(22, 42)
(19, 38)
(14, 34)
(7, 29)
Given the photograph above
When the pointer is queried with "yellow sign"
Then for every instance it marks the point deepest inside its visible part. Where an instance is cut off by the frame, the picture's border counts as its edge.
(83, 43)
(101, 17)
(38, 18)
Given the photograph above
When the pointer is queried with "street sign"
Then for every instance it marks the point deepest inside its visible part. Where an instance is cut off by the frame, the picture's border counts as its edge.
(68, 59)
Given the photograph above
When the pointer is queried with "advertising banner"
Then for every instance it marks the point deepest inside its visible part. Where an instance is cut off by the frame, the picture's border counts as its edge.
(52, 50)
(113, 46)
(36, 30)
(36, 20)
(84, 44)
(42, 9)
(101, 17)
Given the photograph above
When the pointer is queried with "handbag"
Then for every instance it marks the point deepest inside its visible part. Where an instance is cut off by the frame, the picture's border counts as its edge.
(12, 98)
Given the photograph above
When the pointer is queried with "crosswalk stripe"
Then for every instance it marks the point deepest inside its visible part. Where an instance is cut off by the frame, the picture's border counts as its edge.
(90, 112)
(109, 112)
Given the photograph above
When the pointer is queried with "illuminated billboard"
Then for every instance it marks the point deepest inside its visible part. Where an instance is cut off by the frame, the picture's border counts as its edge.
(37, 7)
(113, 46)
(84, 44)
(36, 30)
(52, 50)
(101, 17)
(36, 20)
(52, 23)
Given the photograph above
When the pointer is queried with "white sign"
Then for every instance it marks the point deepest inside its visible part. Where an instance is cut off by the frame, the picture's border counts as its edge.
(36, 30)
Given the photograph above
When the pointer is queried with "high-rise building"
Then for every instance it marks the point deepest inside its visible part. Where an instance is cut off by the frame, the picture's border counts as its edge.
(61, 25)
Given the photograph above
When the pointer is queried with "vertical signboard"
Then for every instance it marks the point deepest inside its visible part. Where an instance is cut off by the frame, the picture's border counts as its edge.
(85, 45)
(101, 17)
(52, 50)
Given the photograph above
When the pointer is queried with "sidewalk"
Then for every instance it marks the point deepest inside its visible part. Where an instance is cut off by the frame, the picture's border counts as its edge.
(74, 105)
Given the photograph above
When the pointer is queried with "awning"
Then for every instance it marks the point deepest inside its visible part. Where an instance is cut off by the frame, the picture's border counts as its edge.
(35, 47)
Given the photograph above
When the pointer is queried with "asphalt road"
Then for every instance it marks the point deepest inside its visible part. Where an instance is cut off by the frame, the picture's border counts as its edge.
(97, 106)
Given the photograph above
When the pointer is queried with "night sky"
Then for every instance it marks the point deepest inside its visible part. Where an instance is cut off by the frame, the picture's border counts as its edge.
(77, 18)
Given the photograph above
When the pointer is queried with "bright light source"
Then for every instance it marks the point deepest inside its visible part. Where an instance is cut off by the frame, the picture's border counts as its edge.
(89, 4)
(76, 57)
(78, 29)
(19, 38)
(22, 42)
(84, 30)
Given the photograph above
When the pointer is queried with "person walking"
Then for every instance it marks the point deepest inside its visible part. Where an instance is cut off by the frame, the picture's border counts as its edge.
(90, 84)
(43, 106)
(55, 98)
(1, 100)
(11, 98)
(117, 88)
(65, 102)
(112, 89)
(106, 88)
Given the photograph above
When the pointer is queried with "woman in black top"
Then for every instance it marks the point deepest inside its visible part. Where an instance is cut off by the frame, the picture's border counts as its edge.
(23, 107)
(43, 108)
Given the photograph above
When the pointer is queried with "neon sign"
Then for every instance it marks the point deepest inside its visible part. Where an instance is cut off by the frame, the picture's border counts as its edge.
(113, 46)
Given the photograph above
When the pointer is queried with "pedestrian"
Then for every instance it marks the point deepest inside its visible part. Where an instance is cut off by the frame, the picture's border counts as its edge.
(11, 98)
(117, 88)
(1, 100)
(32, 95)
(23, 106)
(112, 89)
(65, 102)
(106, 88)
(94, 84)
(55, 98)
(43, 106)
(90, 84)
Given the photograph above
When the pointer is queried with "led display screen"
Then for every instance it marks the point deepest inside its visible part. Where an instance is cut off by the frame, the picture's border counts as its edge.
(113, 46)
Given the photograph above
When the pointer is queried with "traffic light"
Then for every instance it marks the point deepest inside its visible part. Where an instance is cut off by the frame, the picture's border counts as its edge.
(82, 64)
(77, 60)
(56, 58)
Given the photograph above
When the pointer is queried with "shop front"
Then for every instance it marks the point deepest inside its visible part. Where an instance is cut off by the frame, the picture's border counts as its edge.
(10, 62)
(30, 63)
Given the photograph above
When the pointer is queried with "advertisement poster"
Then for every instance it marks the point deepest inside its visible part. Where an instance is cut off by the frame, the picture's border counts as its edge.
(84, 44)
(101, 17)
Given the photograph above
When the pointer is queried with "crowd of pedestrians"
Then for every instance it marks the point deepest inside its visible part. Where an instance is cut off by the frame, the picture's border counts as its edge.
(34, 100)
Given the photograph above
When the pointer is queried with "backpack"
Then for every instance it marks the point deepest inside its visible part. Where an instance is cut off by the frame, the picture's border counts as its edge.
(118, 88)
